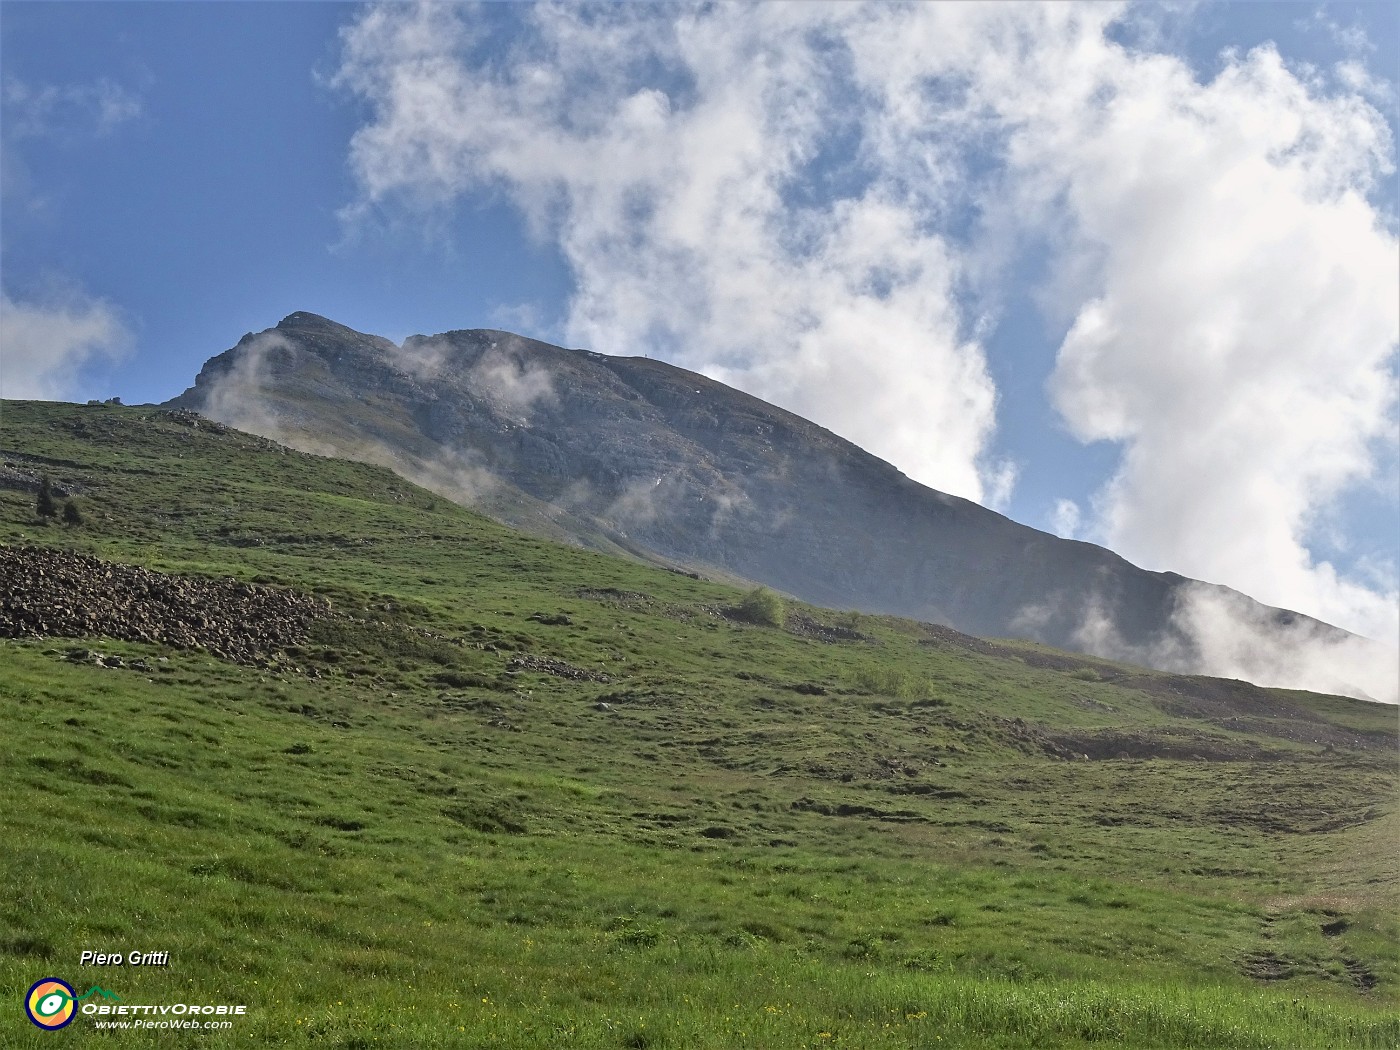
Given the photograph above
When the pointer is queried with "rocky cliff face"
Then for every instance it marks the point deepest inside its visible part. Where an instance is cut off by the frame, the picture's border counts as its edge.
(631, 454)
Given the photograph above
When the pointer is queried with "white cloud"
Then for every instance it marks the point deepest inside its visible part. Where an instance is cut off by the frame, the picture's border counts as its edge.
(803, 200)
(1223, 633)
(501, 375)
(517, 387)
(1356, 76)
(238, 396)
(1064, 519)
(1238, 643)
(1236, 331)
(45, 345)
(527, 318)
(671, 198)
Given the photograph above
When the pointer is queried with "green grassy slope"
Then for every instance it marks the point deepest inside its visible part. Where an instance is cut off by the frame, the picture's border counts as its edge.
(420, 829)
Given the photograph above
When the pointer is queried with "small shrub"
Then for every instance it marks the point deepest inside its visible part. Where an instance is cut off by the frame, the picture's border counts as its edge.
(71, 514)
(864, 948)
(763, 607)
(638, 935)
(891, 681)
(926, 960)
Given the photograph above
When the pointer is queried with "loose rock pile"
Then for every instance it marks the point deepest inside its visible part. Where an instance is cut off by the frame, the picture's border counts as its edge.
(21, 478)
(187, 418)
(558, 668)
(46, 592)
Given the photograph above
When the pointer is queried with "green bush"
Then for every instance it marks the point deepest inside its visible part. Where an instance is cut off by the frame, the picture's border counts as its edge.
(762, 606)
(889, 681)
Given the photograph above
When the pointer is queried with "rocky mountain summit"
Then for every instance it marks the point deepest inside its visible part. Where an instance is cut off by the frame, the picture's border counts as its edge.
(634, 455)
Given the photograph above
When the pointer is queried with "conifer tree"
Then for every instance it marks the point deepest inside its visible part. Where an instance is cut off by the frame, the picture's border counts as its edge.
(71, 514)
(44, 504)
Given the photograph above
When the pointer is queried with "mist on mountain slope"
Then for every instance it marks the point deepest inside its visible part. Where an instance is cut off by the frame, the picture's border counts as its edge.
(1204, 630)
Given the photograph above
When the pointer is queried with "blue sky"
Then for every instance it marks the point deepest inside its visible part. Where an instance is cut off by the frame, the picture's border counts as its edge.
(212, 209)
(1122, 273)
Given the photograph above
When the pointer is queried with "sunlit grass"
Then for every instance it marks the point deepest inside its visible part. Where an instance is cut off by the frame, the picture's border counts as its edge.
(762, 840)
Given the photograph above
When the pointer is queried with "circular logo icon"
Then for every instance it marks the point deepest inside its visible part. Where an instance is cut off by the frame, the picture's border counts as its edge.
(50, 1003)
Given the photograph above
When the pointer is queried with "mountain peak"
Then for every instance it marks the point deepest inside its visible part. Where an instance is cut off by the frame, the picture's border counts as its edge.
(653, 458)
(306, 319)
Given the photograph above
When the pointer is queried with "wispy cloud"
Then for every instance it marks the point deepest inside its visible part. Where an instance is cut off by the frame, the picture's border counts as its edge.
(44, 344)
(1352, 38)
(1220, 632)
(66, 110)
(501, 374)
(517, 386)
(1065, 518)
(244, 396)
(238, 396)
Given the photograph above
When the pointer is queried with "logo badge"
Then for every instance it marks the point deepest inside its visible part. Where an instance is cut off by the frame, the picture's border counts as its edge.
(51, 1003)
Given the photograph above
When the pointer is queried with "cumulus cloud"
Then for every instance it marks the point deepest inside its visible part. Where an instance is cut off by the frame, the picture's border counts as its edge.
(44, 344)
(1232, 318)
(816, 203)
(1236, 328)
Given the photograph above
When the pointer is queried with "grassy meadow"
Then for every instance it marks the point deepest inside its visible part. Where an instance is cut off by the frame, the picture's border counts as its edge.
(513, 794)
